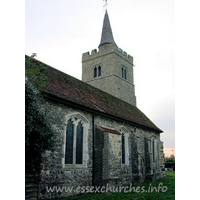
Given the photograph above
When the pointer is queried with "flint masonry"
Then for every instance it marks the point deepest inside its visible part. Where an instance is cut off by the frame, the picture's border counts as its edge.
(102, 136)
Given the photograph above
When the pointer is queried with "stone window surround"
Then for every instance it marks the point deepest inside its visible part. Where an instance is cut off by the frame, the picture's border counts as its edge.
(124, 72)
(150, 147)
(76, 118)
(154, 141)
(137, 144)
(124, 131)
(150, 143)
(97, 71)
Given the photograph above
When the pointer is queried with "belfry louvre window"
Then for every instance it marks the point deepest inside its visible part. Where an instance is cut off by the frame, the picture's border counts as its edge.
(123, 149)
(99, 70)
(95, 72)
(74, 143)
(124, 75)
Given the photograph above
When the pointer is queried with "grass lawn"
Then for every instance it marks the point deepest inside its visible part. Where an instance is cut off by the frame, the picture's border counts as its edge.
(145, 191)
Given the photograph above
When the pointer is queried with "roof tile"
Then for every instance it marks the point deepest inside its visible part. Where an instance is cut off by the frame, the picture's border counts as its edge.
(72, 90)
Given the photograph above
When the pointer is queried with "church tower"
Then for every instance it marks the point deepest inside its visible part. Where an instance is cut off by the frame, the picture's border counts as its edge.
(110, 69)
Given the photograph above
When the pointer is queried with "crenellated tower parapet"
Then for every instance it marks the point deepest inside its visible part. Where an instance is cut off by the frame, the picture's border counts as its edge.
(110, 68)
(107, 48)
(126, 56)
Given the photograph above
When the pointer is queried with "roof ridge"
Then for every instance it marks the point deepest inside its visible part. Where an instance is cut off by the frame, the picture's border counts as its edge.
(82, 82)
(60, 85)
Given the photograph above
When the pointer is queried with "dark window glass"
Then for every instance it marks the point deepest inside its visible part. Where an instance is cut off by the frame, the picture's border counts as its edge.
(124, 75)
(153, 151)
(99, 71)
(69, 143)
(95, 72)
(123, 150)
(79, 143)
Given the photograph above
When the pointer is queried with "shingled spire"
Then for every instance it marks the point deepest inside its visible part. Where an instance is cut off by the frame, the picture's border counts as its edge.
(106, 36)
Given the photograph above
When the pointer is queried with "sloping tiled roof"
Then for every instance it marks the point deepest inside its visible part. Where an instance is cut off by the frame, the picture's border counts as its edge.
(109, 130)
(72, 90)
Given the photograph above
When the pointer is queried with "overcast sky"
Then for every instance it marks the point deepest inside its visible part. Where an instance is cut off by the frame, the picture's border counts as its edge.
(59, 31)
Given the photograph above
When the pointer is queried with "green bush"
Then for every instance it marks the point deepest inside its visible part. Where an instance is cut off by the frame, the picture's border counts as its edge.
(39, 135)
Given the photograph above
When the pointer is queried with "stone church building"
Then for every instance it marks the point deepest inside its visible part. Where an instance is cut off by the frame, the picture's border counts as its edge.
(102, 136)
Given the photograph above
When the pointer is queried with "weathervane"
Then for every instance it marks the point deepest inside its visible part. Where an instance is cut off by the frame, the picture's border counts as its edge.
(105, 5)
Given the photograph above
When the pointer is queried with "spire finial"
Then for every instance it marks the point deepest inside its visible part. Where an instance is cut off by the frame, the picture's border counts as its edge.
(105, 5)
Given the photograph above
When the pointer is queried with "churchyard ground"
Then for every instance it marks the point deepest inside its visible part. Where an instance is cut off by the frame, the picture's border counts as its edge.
(163, 189)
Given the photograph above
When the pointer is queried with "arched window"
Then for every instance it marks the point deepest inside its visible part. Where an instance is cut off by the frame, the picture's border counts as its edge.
(79, 143)
(69, 143)
(125, 145)
(95, 72)
(123, 149)
(124, 73)
(76, 141)
(99, 70)
(154, 149)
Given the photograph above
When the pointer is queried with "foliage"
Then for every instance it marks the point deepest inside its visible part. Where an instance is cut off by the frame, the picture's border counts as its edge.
(169, 194)
(170, 159)
(170, 162)
(33, 72)
(39, 135)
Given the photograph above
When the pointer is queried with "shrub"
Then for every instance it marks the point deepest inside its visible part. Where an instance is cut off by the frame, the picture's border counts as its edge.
(39, 135)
